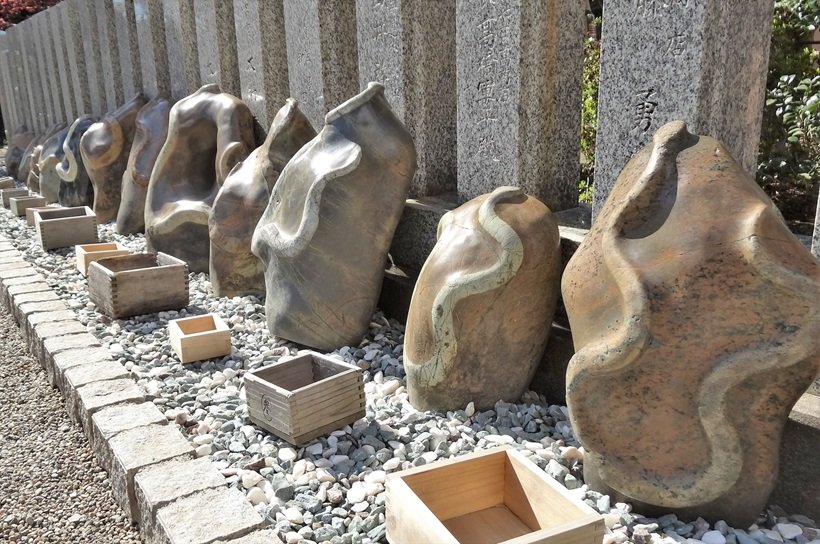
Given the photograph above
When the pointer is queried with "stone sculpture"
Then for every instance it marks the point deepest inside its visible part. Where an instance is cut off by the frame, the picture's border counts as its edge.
(33, 178)
(483, 303)
(151, 131)
(696, 324)
(209, 132)
(326, 231)
(18, 143)
(51, 155)
(75, 187)
(104, 149)
(234, 269)
(32, 151)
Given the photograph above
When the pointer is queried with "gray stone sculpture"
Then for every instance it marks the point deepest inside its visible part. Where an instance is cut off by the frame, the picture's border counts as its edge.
(326, 231)
(18, 143)
(483, 303)
(75, 187)
(33, 178)
(209, 132)
(234, 269)
(51, 155)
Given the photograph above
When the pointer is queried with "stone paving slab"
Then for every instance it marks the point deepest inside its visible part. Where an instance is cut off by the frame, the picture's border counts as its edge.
(97, 395)
(51, 329)
(108, 422)
(67, 359)
(20, 303)
(24, 310)
(20, 280)
(265, 536)
(80, 375)
(54, 345)
(45, 317)
(24, 288)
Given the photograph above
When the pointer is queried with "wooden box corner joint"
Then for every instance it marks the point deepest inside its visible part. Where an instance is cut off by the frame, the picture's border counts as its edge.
(65, 227)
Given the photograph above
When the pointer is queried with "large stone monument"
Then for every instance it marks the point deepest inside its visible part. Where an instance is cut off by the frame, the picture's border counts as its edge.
(151, 132)
(74, 62)
(128, 46)
(209, 132)
(104, 149)
(153, 55)
(483, 303)
(75, 186)
(180, 41)
(680, 59)
(696, 325)
(51, 155)
(216, 43)
(326, 231)
(234, 269)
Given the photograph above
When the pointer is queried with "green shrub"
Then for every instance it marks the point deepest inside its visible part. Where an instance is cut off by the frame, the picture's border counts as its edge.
(589, 117)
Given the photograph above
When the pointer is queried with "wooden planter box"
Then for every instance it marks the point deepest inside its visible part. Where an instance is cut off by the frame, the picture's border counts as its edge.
(305, 397)
(138, 284)
(19, 204)
(199, 337)
(88, 253)
(65, 227)
(30, 213)
(486, 497)
(6, 194)
(7, 183)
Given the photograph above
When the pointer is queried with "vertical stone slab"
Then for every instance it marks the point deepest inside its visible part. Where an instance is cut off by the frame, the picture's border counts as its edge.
(410, 47)
(322, 57)
(21, 94)
(128, 46)
(815, 242)
(150, 21)
(519, 98)
(216, 41)
(180, 41)
(75, 53)
(91, 47)
(55, 87)
(35, 38)
(58, 37)
(680, 59)
(11, 118)
(263, 60)
(25, 44)
(109, 54)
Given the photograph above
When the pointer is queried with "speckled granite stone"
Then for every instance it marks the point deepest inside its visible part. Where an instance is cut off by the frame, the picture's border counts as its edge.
(701, 61)
(34, 92)
(128, 46)
(322, 58)
(55, 30)
(52, 81)
(416, 233)
(109, 54)
(519, 93)
(75, 59)
(402, 44)
(815, 242)
(8, 105)
(180, 40)
(263, 68)
(153, 54)
(216, 41)
(33, 40)
(91, 50)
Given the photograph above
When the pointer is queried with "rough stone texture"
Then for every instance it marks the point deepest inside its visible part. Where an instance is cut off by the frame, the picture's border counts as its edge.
(7, 76)
(34, 320)
(34, 96)
(34, 52)
(163, 483)
(209, 132)
(234, 269)
(464, 340)
(50, 329)
(24, 310)
(693, 311)
(183, 53)
(105, 148)
(128, 46)
(57, 31)
(815, 241)
(263, 63)
(93, 62)
(108, 422)
(151, 131)
(109, 54)
(73, 357)
(75, 57)
(337, 201)
(179, 522)
(54, 345)
(409, 47)
(25, 288)
(519, 93)
(153, 60)
(216, 42)
(138, 448)
(42, 24)
(32, 25)
(322, 55)
(77, 376)
(97, 395)
(51, 155)
(7, 282)
(75, 186)
(265, 536)
(662, 61)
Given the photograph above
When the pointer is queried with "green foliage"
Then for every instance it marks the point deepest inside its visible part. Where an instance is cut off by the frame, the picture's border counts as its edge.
(589, 117)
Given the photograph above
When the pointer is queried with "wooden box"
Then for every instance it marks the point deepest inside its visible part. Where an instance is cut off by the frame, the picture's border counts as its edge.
(142, 283)
(6, 194)
(19, 204)
(199, 337)
(30, 213)
(486, 497)
(65, 227)
(7, 183)
(304, 397)
(88, 253)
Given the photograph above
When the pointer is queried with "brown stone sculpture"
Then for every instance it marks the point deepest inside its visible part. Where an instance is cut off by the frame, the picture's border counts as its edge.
(51, 155)
(31, 149)
(209, 132)
(33, 178)
(104, 149)
(483, 303)
(75, 186)
(18, 143)
(326, 231)
(151, 132)
(696, 323)
(234, 269)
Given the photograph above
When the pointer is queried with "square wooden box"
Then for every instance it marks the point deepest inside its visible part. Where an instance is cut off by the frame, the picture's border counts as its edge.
(6, 194)
(7, 183)
(199, 337)
(142, 283)
(65, 227)
(305, 397)
(487, 497)
(19, 204)
(88, 253)
(30, 213)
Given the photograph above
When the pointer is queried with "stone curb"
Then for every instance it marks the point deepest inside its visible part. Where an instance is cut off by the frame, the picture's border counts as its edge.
(130, 437)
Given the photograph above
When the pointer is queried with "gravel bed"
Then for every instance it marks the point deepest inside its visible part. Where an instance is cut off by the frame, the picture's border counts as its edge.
(332, 489)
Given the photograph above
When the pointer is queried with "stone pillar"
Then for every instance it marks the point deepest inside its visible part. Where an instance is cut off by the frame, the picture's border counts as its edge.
(180, 39)
(11, 118)
(815, 242)
(93, 64)
(75, 57)
(37, 118)
(35, 37)
(21, 94)
(55, 25)
(410, 47)
(322, 56)
(216, 42)
(519, 98)
(128, 47)
(263, 66)
(109, 54)
(150, 21)
(701, 61)
(55, 87)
